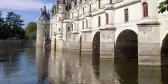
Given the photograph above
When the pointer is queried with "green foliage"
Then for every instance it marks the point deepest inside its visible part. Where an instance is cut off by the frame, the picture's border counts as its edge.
(31, 30)
(163, 6)
(11, 26)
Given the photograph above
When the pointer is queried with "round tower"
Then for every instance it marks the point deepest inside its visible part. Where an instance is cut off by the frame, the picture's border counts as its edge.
(60, 17)
(43, 25)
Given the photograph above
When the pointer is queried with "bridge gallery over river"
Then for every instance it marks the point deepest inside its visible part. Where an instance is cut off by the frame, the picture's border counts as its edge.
(144, 38)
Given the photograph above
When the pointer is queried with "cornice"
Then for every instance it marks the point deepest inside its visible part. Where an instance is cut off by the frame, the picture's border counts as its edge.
(100, 11)
(74, 32)
(86, 30)
(123, 4)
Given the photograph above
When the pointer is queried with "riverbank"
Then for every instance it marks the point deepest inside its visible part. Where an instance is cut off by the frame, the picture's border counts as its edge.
(2, 59)
(10, 43)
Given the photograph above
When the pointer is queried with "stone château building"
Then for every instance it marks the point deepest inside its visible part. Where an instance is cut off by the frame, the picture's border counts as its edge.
(98, 26)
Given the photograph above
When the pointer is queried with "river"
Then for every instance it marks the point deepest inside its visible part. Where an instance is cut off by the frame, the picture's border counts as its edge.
(38, 66)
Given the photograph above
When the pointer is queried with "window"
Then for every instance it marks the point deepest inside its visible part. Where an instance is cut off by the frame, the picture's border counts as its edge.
(82, 24)
(145, 9)
(126, 14)
(90, 7)
(59, 29)
(83, 10)
(107, 18)
(99, 21)
(69, 29)
(86, 24)
(72, 27)
(99, 4)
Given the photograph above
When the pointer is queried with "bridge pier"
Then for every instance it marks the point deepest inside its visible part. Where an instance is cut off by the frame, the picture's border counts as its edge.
(107, 42)
(149, 44)
(86, 43)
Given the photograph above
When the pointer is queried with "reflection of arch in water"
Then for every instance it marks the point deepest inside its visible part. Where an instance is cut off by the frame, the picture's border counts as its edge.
(164, 60)
(96, 53)
(126, 44)
(126, 70)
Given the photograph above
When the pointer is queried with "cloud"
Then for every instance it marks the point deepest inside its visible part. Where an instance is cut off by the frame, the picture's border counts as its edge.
(25, 5)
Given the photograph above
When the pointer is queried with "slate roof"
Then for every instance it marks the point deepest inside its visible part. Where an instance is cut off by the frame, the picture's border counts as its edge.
(44, 15)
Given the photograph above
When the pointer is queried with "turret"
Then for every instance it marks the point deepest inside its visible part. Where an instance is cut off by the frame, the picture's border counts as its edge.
(43, 24)
(61, 6)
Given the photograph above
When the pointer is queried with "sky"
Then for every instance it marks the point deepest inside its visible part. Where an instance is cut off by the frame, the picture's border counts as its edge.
(28, 9)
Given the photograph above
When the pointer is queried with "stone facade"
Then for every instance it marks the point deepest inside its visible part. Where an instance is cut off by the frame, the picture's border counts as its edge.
(72, 20)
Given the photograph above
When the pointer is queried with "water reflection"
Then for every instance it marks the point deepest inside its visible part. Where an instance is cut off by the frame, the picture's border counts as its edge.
(42, 56)
(68, 67)
(17, 66)
(126, 70)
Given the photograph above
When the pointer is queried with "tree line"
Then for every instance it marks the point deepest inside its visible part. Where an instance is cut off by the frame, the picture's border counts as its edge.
(11, 27)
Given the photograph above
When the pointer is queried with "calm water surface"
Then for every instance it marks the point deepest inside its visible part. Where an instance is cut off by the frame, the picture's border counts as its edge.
(39, 66)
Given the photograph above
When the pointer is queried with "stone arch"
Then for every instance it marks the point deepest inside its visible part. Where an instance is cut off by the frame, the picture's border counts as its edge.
(126, 27)
(96, 44)
(126, 48)
(164, 59)
(80, 43)
(80, 49)
(126, 44)
(164, 50)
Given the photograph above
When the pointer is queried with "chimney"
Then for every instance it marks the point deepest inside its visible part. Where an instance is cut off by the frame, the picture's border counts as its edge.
(41, 10)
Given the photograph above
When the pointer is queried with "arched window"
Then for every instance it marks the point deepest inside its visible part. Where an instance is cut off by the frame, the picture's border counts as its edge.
(99, 21)
(86, 23)
(83, 10)
(107, 18)
(126, 14)
(99, 4)
(90, 8)
(72, 27)
(82, 24)
(145, 9)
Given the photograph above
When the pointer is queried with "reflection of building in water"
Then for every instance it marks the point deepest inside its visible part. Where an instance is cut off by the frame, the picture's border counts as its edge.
(42, 64)
(126, 71)
(65, 69)
(55, 68)
(150, 75)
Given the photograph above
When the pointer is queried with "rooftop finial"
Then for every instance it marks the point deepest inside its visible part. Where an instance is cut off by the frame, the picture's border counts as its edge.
(41, 10)
(45, 8)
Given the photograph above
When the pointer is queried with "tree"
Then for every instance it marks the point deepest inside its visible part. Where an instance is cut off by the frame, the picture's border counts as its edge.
(163, 6)
(11, 26)
(2, 27)
(31, 30)
(14, 23)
